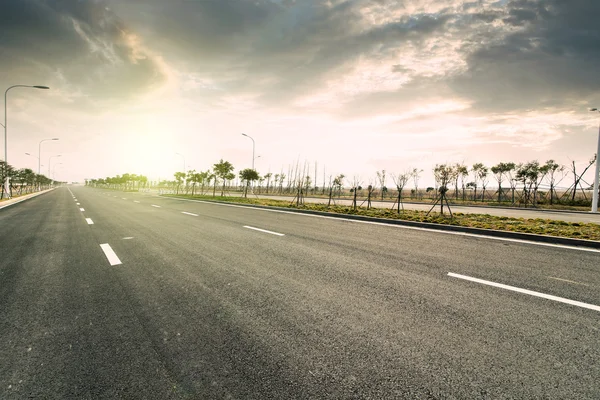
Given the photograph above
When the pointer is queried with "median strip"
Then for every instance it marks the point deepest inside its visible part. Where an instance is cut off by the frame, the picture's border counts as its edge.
(526, 291)
(263, 230)
(110, 254)
(187, 213)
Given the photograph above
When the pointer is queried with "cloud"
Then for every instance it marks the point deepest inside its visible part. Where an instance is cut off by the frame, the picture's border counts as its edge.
(80, 47)
(549, 61)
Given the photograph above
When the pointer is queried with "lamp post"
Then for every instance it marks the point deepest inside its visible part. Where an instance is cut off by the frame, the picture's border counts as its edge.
(40, 153)
(597, 176)
(29, 154)
(253, 148)
(49, 163)
(7, 181)
(54, 170)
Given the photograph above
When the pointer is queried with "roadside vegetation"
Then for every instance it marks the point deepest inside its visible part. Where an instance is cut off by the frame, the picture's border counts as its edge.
(22, 181)
(507, 184)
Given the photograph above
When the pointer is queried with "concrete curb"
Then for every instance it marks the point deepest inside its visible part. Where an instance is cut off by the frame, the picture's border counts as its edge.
(530, 237)
(16, 200)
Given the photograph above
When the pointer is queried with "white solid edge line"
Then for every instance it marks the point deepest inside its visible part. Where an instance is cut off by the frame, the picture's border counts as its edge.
(263, 230)
(475, 235)
(89, 221)
(82, 209)
(110, 254)
(154, 205)
(187, 213)
(526, 291)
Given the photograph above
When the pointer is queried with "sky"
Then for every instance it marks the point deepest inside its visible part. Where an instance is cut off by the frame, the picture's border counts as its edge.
(356, 86)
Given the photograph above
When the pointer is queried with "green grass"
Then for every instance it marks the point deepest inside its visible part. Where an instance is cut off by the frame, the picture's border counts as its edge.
(537, 226)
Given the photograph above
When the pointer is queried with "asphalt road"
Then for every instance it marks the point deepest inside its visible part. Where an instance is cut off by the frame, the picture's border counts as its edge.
(200, 304)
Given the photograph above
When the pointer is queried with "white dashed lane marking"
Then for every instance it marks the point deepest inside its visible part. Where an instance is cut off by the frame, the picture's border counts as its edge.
(110, 254)
(264, 231)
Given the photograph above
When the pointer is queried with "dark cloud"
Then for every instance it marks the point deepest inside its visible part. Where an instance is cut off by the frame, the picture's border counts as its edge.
(550, 62)
(520, 16)
(281, 50)
(77, 46)
(519, 54)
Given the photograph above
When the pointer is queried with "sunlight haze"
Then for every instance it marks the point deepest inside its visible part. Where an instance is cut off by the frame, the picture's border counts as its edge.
(355, 86)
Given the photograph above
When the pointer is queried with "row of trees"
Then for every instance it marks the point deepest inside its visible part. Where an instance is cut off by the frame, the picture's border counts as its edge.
(122, 182)
(516, 183)
(22, 181)
(190, 181)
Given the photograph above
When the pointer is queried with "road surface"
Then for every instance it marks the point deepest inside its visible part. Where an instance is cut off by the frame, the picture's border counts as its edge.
(116, 295)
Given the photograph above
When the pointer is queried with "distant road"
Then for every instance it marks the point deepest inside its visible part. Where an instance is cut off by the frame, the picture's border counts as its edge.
(129, 295)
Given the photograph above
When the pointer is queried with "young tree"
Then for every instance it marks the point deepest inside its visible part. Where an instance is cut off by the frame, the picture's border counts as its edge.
(553, 170)
(476, 171)
(191, 179)
(338, 182)
(499, 172)
(416, 175)
(457, 166)
(400, 181)
(444, 174)
(268, 178)
(462, 171)
(484, 179)
(248, 175)
(224, 171)
(179, 178)
(381, 178)
(355, 188)
(282, 177)
(531, 175)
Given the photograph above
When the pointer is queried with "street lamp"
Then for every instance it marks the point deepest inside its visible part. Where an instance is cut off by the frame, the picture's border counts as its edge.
(40, 153)
(49, 161)
(597, 176)
(253, 147)
(6, 181)
(29, 154)
(54, 170)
